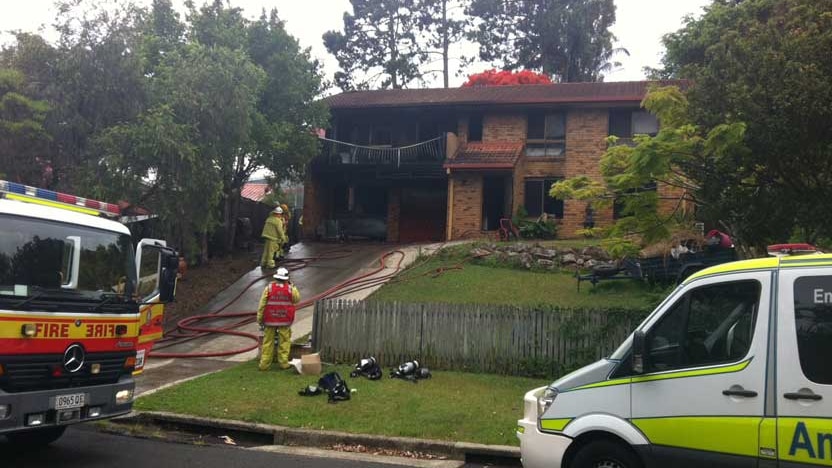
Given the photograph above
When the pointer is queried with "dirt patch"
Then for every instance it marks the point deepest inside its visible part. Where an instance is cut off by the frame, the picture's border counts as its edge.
(202, 283)
(386, 452)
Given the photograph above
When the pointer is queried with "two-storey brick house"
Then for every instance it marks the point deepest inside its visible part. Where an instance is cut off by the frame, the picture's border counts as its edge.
(442, 164)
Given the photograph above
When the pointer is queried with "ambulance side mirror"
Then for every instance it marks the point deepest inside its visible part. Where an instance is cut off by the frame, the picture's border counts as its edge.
(639, 352)
(167, 279)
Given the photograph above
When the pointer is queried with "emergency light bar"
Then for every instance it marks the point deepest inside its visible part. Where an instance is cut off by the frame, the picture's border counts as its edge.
(29, 194)
(785, 250)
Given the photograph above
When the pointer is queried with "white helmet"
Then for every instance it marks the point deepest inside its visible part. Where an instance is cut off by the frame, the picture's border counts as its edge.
(278, 210)
(282, 274)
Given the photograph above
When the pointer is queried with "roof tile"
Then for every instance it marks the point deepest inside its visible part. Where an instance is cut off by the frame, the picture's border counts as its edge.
(254, 191)
(485, 155)
(559, 93)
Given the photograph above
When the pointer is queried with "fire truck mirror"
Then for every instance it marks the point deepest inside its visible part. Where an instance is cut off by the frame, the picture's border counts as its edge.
(167, 282)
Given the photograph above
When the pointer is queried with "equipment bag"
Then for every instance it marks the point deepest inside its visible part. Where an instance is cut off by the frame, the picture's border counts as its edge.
(335, 387)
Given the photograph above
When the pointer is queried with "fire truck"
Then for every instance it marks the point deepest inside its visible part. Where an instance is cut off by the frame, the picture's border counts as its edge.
(80, 307)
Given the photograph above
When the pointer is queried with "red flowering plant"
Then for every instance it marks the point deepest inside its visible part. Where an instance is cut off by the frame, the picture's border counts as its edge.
(506, 78)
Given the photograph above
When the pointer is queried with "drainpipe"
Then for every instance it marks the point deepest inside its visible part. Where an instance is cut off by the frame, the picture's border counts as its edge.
(450, 207)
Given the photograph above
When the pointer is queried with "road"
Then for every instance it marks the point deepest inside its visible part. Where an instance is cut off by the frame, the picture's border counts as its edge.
(85, 447)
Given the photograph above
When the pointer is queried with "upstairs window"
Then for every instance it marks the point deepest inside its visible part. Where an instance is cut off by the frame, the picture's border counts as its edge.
(628, 123)
(537, 200)
(546, 134)
(382, 135)
(645, 123)
(475, 127)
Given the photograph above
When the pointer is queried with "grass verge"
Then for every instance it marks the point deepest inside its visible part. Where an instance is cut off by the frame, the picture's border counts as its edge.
(453, 406)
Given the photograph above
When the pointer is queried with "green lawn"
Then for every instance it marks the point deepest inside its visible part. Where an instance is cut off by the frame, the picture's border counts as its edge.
(451, 406)
(484, 284)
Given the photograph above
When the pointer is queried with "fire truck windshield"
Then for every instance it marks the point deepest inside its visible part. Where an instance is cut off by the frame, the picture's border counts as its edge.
(45, 262)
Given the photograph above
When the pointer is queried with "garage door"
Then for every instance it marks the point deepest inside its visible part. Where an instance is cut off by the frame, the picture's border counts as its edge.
(423, 214)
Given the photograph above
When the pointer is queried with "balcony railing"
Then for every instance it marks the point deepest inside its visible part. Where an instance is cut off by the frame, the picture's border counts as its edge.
(338, 152)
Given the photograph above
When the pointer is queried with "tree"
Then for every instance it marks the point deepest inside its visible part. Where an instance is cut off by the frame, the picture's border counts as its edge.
(172, 115)
(505, 78)
(379, 42)
(441, 29)
(24, 142)
(281, 111)
(289, 101)
(765, 63)
(699, 161)
(215, 90)
(92, 79)
(162, 33)
(155, 159)
(568, 40)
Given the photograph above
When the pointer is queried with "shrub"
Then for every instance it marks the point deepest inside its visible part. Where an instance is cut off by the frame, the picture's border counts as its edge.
(540, 229)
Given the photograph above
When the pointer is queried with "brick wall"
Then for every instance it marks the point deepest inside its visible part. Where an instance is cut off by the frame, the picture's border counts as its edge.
(394, 211)
(586, 130)
(504, 127)
(669, 200)
(465, 209)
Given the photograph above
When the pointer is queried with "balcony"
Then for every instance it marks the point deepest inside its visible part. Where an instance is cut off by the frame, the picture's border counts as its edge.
(339, 153)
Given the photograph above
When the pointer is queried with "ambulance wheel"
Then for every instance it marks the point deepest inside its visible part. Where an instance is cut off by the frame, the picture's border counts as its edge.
(605, 454)
(36, 437)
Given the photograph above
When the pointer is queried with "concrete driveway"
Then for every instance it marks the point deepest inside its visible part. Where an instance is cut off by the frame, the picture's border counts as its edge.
(314, 279)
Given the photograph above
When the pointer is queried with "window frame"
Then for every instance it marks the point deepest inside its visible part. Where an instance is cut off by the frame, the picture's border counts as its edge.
(476, 117)
(151, 249)
(546, 143)
(544, 181)
(381, 129)
(643, 112)
(628, 114)
(808, 278)
(686, 298)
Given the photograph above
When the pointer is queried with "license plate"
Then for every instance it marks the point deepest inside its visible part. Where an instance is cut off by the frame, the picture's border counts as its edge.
(69, 401)
(140, 358)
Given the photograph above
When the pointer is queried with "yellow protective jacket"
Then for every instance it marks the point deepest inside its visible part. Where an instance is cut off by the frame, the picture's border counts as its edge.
(274, 229)
(264, 298)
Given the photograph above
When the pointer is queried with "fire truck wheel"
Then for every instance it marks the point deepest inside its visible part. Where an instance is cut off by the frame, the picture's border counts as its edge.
(37, 437)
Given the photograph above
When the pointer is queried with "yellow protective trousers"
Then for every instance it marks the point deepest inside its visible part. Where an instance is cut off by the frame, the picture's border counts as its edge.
(267, 356)
(270, 248)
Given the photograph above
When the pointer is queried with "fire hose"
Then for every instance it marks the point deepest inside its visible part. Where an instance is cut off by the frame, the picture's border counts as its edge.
(193, 327)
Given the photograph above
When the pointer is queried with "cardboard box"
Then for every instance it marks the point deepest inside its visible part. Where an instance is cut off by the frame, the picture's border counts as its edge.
(310, 364)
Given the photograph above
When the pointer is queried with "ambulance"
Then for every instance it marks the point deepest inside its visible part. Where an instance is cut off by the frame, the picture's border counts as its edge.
(79, 308)
(733, 369)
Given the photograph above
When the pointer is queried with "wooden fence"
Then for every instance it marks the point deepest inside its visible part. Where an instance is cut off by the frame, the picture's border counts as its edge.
(512, 340)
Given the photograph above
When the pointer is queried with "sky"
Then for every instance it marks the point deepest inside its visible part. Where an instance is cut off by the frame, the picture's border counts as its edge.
(639, 27)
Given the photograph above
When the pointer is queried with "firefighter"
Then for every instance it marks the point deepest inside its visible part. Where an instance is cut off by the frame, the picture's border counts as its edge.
(287, 223)
(274, 236)
(276, 314)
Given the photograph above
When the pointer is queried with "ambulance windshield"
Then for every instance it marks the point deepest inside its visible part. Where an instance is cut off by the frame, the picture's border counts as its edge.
(46, 261)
